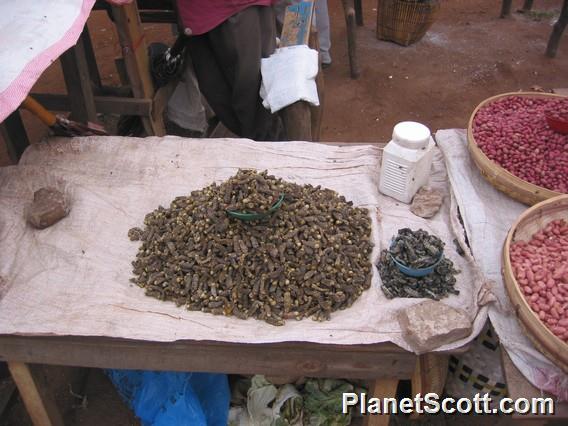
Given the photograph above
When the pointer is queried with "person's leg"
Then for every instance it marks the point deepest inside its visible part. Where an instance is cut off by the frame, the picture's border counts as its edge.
(322, 24)
(184, 106)
(212, 81)
(239, 44)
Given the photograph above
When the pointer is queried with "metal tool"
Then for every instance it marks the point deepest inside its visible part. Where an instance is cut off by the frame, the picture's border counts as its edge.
(62, 126)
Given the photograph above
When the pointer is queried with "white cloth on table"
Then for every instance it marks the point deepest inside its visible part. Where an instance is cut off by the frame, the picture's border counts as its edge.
(73, 278)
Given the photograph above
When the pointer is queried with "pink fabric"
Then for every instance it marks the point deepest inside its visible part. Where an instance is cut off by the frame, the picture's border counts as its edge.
(16, 92)
(202, 16)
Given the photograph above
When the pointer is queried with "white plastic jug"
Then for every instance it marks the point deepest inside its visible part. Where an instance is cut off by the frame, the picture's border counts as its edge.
(407, 160)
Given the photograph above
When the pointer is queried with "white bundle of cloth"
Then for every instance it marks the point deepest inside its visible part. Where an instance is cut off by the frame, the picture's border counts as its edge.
(288, 76)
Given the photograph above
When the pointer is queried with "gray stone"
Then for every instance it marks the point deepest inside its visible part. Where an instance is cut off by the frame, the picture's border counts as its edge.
(48, 207)
(429, 324)
(426, 202)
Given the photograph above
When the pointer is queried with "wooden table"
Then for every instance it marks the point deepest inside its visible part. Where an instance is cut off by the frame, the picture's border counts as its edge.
(383, 364)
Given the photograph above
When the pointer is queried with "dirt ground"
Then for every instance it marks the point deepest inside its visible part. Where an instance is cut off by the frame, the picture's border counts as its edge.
(468, 55)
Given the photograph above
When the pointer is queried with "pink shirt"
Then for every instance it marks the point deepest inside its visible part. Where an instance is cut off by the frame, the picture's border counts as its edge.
(202, 16)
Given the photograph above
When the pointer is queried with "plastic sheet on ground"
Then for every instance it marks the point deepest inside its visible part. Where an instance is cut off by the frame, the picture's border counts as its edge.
(165, 398)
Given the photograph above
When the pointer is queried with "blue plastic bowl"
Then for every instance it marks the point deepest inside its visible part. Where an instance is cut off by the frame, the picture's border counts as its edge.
(414, 272)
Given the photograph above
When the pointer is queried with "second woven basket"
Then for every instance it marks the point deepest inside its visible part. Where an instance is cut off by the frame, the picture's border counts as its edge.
(405, 21)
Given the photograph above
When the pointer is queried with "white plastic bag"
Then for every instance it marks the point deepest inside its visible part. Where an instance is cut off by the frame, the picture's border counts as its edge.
(288, 76)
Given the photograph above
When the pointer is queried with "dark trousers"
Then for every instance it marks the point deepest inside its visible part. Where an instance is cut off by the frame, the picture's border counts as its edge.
(227, 66)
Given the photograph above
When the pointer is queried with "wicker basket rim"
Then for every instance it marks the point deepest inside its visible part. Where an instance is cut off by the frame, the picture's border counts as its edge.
(502, 170)
(525, 308)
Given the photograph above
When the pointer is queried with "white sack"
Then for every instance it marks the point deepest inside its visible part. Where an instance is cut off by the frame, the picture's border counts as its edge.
(288, 76)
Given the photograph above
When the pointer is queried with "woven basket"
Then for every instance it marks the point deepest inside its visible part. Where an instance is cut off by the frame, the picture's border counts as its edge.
(405, 21)
(530, 222)
(496, 175)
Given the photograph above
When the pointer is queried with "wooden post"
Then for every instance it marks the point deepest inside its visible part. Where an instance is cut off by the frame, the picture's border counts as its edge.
(297, 121)
(506, 8)
(349, 10)
(78, 82)
(297, 24)
(359, 12)
(380, 388)
(557, 31)
(14, 135)
(527, 5)
(91, 59)
(429, 375)
(316, 112)
(296, 31)
(32, 387)
(7, 389)
(135, 53)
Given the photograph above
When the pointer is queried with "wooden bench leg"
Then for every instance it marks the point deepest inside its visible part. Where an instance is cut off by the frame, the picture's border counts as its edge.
(15, 137)
(297, 121)
(296, 30)
(506, 8)
(557, 31)
(351, 37)
(135, 53)
(32, 387)
(317, 111)
(91, 59)
(78, 81)
(429, 376)
(359, 12)
(380, 388)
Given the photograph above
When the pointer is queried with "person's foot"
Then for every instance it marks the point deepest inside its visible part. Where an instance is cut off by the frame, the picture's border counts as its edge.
(325, 65)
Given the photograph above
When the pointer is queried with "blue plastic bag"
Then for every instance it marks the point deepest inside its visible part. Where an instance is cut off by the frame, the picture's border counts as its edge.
(170, 398)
